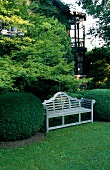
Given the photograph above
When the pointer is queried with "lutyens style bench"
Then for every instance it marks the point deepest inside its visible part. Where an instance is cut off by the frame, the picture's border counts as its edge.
(62, 105)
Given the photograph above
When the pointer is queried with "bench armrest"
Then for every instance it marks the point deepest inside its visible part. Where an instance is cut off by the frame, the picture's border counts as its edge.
(87, 103)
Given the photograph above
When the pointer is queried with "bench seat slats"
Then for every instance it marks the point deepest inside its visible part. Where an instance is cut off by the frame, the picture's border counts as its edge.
(65, 112)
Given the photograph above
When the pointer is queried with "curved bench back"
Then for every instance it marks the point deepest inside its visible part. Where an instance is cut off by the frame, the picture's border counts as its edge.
(61, 101)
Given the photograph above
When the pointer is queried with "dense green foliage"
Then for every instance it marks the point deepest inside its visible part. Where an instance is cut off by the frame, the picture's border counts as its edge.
(98, 9)
(42, 54)
(52, 8)
(21, 115)
(102, 105)
(98, 67)
(82, 147)
(101, 10)
(78, 94)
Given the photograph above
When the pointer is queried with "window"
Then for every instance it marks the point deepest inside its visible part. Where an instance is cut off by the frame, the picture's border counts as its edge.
(80, 68)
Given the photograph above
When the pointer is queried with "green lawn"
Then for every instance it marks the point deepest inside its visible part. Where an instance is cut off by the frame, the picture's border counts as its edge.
(81, 147)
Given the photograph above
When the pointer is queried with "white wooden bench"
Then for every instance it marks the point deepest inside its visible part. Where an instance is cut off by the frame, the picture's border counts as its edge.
(61, 105)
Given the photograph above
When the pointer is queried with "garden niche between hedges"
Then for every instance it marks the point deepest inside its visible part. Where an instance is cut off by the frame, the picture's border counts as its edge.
(21, 115)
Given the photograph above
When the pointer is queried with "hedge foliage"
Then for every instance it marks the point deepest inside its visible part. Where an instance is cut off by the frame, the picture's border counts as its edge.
(102, 105)
(21, 115)
(78, 94)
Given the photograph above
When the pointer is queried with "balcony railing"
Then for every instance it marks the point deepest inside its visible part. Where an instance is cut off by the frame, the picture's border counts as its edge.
(77, 42)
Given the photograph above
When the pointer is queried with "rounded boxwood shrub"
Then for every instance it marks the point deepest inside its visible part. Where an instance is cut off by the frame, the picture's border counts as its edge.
(102, 105)
(21, 115)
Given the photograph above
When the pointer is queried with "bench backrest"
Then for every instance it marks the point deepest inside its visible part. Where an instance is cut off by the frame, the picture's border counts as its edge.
(87, 103)
(61, 101)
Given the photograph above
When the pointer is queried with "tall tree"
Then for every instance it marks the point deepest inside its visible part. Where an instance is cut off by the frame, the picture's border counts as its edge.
(52, 8)
(99, 9)
(98, 66)
(38, 55)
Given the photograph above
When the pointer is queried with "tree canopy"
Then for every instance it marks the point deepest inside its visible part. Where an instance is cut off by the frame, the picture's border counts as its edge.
(101, 10)
(98, 67)
(52, 8)
(40, 54)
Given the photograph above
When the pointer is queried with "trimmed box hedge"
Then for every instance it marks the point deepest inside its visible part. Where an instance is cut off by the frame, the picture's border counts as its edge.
(102, 105)
(21, 115)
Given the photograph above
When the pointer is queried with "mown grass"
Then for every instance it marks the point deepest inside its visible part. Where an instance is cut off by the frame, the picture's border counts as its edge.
(82, 147)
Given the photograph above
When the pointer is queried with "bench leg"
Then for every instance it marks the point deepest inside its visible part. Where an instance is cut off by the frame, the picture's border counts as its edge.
(92, 116)
(63, 120)
(47, 124)
(79, 117)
